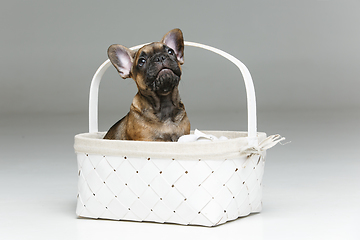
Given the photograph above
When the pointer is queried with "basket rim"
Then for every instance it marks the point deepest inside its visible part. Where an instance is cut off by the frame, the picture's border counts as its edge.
(93, 143)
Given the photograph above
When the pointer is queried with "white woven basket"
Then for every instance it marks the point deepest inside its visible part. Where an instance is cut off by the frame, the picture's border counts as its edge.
(197, 183)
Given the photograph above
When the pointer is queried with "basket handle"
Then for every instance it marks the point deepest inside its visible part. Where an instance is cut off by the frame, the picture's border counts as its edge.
(249, 86)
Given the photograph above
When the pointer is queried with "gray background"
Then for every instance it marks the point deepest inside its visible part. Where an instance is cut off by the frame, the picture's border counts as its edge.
(302, 54)
(303, 57)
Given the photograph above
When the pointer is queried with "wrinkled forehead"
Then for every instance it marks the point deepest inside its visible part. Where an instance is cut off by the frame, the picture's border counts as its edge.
(150, 49)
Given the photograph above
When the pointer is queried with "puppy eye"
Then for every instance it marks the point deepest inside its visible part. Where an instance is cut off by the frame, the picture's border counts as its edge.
(141, 62)
(170, 51)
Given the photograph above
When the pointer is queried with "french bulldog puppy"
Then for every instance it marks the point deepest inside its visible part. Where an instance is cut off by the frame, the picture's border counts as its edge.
(156, 113)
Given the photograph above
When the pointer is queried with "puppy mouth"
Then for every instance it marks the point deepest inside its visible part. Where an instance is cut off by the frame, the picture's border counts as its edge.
(165, 81)
(164, 71)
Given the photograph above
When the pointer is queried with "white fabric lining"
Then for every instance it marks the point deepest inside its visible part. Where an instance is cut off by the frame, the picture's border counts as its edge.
(225, 149)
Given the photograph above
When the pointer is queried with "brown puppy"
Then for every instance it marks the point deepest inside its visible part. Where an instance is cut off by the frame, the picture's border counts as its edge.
(156, 113)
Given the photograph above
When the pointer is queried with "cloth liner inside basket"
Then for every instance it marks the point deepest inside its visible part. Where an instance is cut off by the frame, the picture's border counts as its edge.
(200, 136)
(267, 143)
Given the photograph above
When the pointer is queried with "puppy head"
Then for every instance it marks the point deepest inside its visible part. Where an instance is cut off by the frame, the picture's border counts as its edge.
(154, 67)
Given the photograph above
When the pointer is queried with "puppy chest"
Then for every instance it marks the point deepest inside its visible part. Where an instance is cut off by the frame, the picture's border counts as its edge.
(168, 131)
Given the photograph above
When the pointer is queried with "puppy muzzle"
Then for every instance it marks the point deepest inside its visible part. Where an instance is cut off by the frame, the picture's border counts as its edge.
(164, 74)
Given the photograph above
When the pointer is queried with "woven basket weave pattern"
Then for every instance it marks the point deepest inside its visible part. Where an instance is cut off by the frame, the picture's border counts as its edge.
(196, 192)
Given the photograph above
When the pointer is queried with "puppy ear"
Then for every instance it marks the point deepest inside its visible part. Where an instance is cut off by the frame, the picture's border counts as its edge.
(175, 40)
(122, 59)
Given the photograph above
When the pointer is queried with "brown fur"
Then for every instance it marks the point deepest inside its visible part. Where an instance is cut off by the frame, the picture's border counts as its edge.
(156, 113)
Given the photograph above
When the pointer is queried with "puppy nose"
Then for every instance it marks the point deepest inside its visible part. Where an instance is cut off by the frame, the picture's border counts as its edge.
(160, 59)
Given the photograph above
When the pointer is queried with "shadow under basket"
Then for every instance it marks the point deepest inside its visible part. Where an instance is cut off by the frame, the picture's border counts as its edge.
(203, 183)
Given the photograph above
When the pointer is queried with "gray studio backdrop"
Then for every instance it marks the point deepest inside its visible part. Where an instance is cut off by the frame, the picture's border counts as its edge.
(302, 54)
